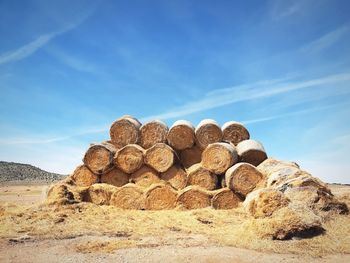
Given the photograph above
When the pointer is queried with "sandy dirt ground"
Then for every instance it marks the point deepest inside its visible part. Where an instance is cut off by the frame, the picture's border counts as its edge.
(174, 247)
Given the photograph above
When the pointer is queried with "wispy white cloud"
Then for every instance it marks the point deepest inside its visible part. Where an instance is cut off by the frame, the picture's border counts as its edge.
(283, 9)
(326, 40)
(31, 47)
(262, 89)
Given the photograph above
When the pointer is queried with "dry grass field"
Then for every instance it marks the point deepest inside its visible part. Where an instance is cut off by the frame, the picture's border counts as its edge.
(31, 231)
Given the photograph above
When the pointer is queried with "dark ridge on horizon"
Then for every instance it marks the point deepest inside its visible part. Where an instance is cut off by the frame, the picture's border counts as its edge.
(12, 171)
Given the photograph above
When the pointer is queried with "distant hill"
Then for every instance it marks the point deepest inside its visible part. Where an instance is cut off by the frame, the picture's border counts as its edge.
(10, 171)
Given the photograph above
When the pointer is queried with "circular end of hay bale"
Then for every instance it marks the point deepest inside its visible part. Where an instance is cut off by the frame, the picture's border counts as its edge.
(125, 131)
(160, 157)
(153, 132)
(207, 132)
(175, 176)
(193, 197)
(128, 197)
(225, 199)
(242, 178)
(264, 202)
(251, 151)
(218, 157)
(234, 132)
(191, 156)
(115, 177)
(99, 194)
(160, 197)
(200, 176)
(181, 135)
(99, 158)
(82, 176)
(145, 176)
(129, 158)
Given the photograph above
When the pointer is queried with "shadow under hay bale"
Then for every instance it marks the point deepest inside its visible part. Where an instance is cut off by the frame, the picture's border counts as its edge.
(191, 156)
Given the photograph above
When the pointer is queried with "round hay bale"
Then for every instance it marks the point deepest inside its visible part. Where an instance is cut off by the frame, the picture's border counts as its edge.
(218, 157)
(271, 165)
(153, 132)
(200, 176)
(129, 158)
(160, 157)
(129, 196)
(242, 178)
(82, 176)
(99, 158)
(181, 135)
(125, 130)
(175, 176)
(100, 194)
(279, 177)
(191, 156)
(251, 151)
(160, 197)
(193, 197)
(264, 202)
(115, 177)
(234, 132)
(145, 176)
(225, 199)
(207, 132)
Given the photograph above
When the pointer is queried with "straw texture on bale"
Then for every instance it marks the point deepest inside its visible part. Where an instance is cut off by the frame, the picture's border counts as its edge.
(145, 176)
(200, 176)
(160, 197)
(115, 177)
(129, 196)
(251, 151)
(125, 130)
(59, 194)
(218, 157)
(82, 176)
(242, 178)
(264, 202)
(100, 194)
(234, 132)
(129, 158)
(181, 135)
(191, 156)
(193, 197)
(207, 132)
(160, 157)
(225, 198)
(175, 176)
(271, 165)
(153, 132)
(99, 158)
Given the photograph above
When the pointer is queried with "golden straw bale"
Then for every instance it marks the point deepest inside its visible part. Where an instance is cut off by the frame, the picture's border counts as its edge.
(160, 157)
(191, 156)
(115, 177)
(145, 176)
(129, 196)
(129, 158)
(176, 176)
(225, 198)
(99, 158)
(218, 157)
(198, 175)
(82, 176)
(125, 130)
(181, 135)
(193, 197)
(234, 132)
(160, 197)
(251, 151)
(153, 132)
(207, 132)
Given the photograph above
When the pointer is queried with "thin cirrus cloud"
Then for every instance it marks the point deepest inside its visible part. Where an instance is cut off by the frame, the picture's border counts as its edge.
(262, 89)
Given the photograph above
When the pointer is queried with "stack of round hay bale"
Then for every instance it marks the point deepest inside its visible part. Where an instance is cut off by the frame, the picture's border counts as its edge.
(151, 166)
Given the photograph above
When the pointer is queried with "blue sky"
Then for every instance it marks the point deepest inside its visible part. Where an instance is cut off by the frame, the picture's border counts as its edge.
(68, 69)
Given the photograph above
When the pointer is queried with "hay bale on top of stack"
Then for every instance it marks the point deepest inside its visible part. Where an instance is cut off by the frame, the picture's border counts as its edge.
(149, 166)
